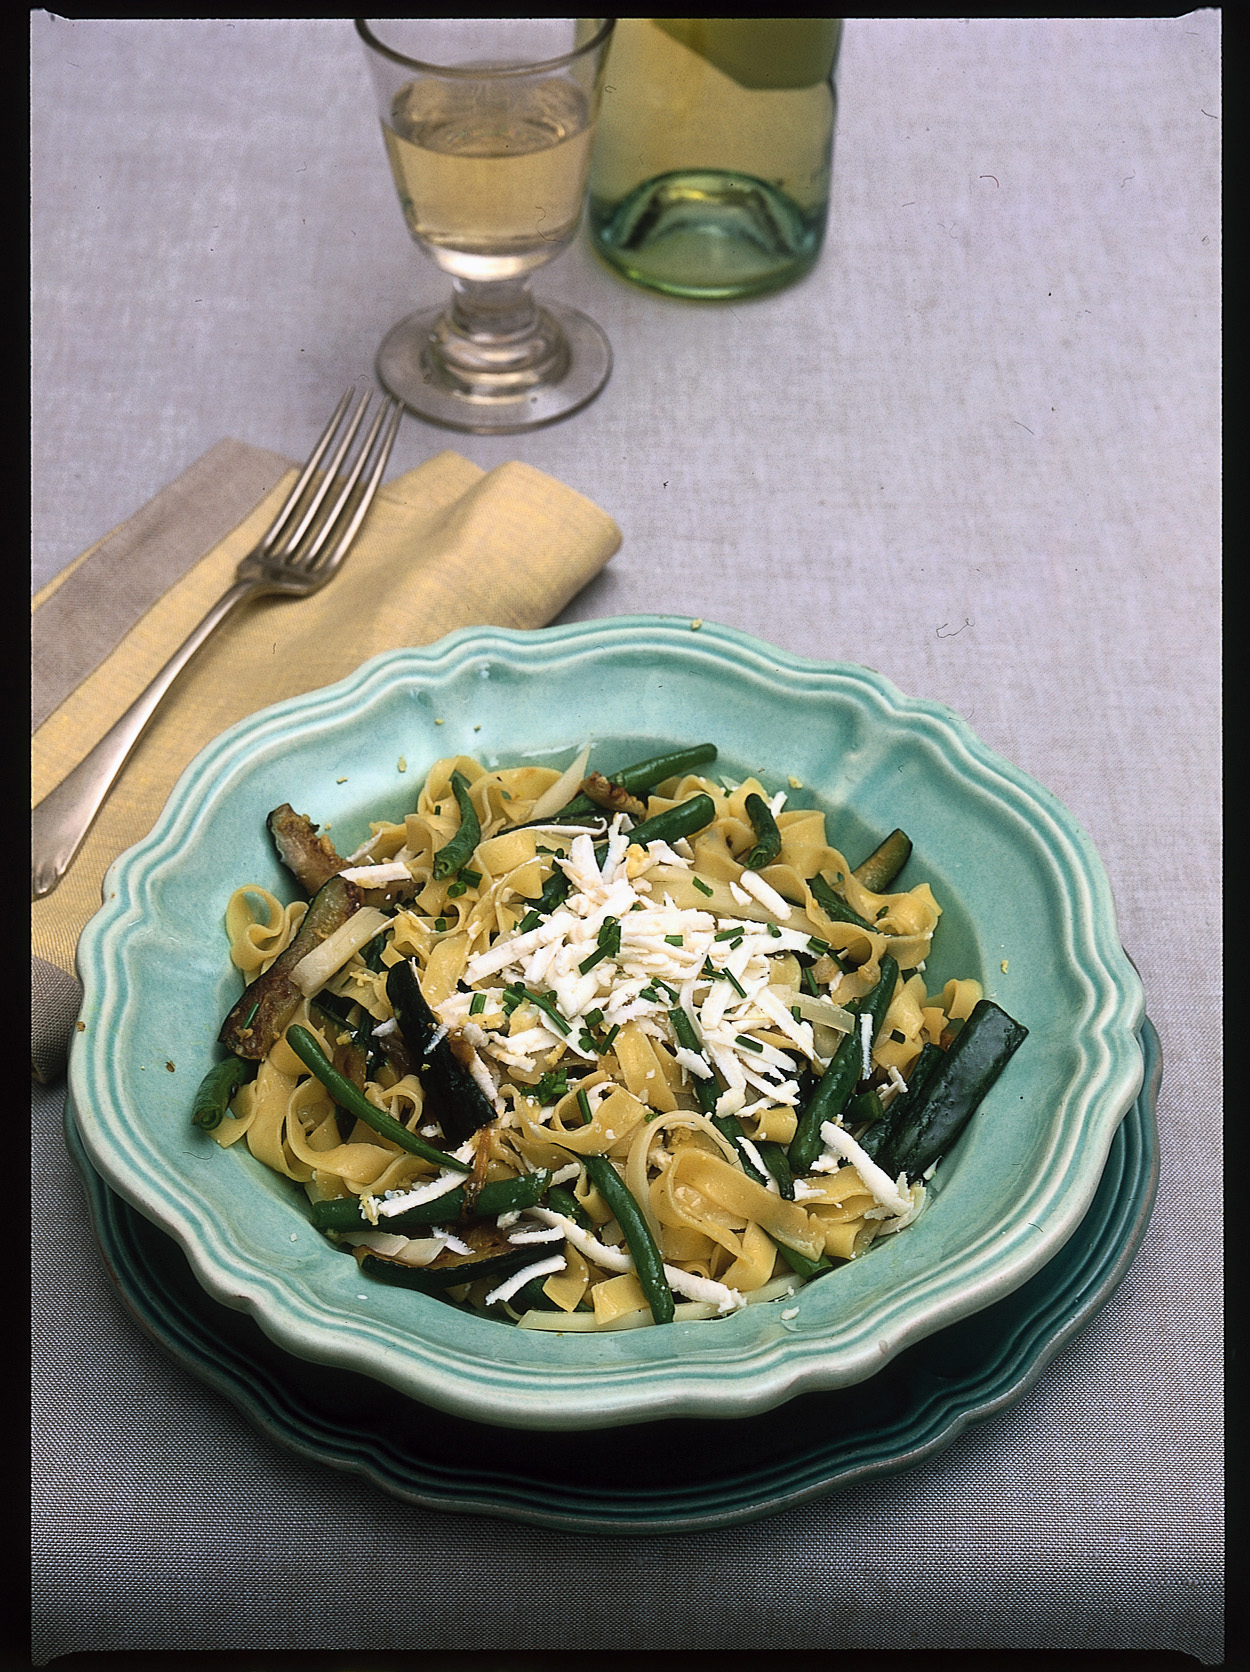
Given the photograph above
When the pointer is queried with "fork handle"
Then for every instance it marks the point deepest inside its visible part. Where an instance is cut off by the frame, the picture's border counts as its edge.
(62, 819)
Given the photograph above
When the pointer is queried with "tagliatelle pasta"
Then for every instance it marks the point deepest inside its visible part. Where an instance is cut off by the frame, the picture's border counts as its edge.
(672, 1069)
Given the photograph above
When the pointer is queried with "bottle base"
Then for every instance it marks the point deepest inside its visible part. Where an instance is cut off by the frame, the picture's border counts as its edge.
(708, 235)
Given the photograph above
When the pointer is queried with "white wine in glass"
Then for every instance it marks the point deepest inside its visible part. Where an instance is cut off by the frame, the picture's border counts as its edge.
(488, 124)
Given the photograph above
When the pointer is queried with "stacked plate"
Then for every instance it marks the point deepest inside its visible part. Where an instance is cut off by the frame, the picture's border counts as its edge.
(1030, 1222)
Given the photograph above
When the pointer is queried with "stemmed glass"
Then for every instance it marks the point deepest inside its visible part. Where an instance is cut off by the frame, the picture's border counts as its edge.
(488, 124)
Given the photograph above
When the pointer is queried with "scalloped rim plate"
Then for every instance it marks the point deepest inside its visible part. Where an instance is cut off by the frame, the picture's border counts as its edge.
(1027, 910)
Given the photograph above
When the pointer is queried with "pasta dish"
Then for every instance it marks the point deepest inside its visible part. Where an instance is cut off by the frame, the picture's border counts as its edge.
(584, 1053)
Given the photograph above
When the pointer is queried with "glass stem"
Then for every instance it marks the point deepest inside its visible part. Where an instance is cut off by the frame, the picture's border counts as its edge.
(495, 309)
(494, 339)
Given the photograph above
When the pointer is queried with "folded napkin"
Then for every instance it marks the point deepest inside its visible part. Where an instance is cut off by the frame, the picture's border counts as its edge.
(447, 545)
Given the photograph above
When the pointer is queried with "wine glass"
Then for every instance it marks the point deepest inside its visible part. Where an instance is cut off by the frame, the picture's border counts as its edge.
(488, 124)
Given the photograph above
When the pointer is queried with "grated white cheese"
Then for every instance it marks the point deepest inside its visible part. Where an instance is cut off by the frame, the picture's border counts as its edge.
(518, 1280)
(400, 1202)
(377, 876)
(883, 1189)
(693, 1287)
(767, 897)
(316, 967)
(757, 1161)
(611, 1259)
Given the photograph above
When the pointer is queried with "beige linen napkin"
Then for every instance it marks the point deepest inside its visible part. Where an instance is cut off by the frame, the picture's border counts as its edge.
(447, 545)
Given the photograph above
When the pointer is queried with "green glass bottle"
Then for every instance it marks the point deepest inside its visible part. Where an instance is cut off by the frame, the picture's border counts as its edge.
(710, 176)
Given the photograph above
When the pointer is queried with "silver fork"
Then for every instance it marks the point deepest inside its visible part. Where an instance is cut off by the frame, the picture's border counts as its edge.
(306, 543)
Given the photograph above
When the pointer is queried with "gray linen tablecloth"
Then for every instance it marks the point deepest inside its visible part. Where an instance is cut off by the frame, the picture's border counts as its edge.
(976, 449)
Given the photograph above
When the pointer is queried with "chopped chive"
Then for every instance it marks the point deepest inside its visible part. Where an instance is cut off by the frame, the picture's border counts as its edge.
(773, 930)
(609, 944)
(456, 889)
(477, 1004)
(674, 940)
(819, 947)
(583, 1105)
(745, 1039)
(796, 1013)
(611, 1035)
(702, 886)
(554, 1084)
(471, 877)
(809, 981)
(531, 920)
(547, 1004)
(714, 974)
(440, 925)
(592, 1018)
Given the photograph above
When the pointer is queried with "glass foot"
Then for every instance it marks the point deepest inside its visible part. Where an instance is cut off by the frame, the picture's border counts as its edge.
(410, 367)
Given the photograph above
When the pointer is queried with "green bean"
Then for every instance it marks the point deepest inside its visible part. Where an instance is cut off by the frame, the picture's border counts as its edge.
(560, 1200)
(865, 1109)
(834, 1088)
(884, 863)
(212, 1098)
(881, 1132)
(834, 906)
(706, 1090)
(645, 775)
(767, 836)
(349, 1097)
(730, 1127)
(458, 852)
(648, 1262)
(774, 1157)
(344, 1213)
(674, 823)
(555, 891)
(641, 776)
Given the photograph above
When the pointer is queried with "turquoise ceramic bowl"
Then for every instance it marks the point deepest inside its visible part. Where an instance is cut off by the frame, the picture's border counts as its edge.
(1027, 911)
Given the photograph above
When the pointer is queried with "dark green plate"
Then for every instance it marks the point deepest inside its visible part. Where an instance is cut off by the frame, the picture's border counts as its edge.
(666, 1477)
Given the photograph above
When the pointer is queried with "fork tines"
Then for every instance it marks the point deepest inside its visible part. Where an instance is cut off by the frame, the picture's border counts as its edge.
(302, 530)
